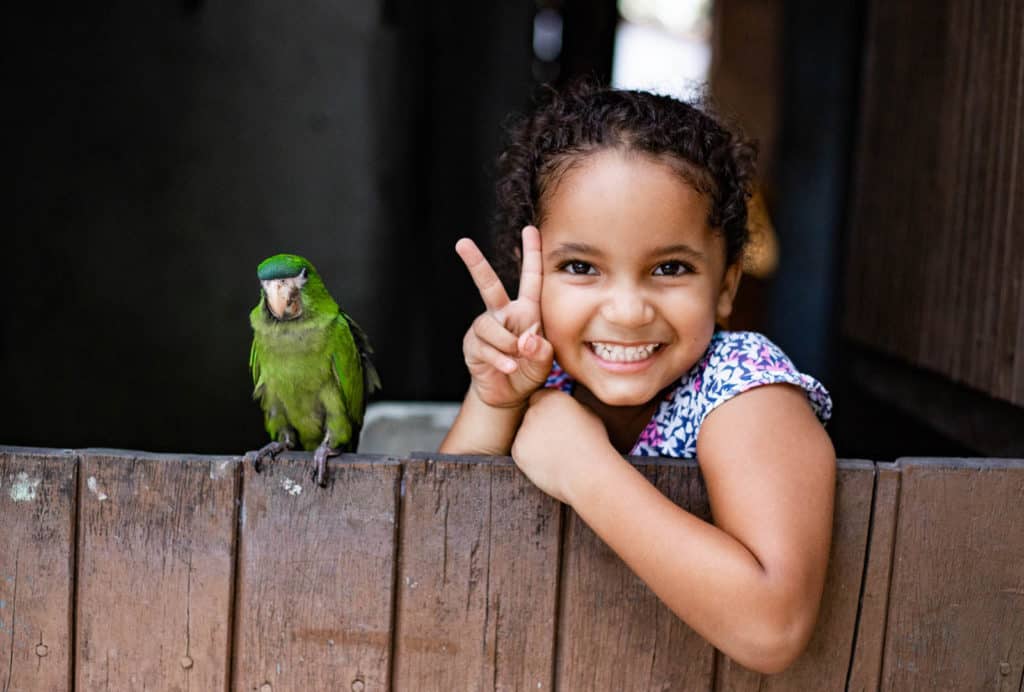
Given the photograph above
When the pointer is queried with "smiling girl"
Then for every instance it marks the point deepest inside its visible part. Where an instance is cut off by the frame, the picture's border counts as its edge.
(624, 213)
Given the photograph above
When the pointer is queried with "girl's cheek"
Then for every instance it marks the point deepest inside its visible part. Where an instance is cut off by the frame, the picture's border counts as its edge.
(548, 302)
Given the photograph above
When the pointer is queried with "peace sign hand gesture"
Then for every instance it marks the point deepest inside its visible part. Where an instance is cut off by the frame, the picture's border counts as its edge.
(506, 353)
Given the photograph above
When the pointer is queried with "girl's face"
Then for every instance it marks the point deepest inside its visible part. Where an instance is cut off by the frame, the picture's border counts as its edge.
(634, 278)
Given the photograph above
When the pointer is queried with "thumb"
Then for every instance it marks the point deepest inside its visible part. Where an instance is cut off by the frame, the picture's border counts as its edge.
(537, 353)
(527, 342)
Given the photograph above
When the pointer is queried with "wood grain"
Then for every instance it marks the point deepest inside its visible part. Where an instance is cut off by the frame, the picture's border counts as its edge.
(825, 662)
(936, 244)
(866, 668)
(606, 610)
(37, 511)
(477, 578)
(491, 594)
(156, 545)
(956, 603)
(315, 575)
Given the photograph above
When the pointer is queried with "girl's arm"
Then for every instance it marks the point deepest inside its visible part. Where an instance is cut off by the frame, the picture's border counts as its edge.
(751, 583)
(482, 429)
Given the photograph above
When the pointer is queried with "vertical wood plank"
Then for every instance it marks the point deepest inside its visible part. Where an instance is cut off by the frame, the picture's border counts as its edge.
(825, 663)
(866, 669)
(936, 206)
(316, 575)
(1012, 340)
(477, 578)
(613, 632)
(37, 510)
(956, 613)
(156, 552)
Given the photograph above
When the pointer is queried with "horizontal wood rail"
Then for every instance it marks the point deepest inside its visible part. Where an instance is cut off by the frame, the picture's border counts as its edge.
(129, 571)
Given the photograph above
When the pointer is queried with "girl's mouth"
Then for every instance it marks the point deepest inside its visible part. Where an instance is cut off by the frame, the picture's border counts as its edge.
(619, 353)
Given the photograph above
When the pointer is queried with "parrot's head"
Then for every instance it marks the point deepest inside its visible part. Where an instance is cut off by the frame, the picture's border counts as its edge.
(291, 286)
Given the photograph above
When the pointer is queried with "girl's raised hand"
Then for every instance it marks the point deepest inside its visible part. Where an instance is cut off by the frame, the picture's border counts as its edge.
(505, 350)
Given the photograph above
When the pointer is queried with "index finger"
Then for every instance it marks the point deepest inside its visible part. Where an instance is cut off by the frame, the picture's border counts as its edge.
(531, 277)
(487, 282)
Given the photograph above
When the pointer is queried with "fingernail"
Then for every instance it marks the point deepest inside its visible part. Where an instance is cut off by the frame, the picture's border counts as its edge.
(508, 365)
(530, 344)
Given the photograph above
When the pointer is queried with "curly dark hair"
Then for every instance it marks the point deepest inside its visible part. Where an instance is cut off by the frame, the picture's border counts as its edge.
(567, 126)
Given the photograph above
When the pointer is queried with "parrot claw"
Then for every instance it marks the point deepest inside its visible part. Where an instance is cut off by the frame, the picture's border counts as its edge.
(320, 464)
(257, 456)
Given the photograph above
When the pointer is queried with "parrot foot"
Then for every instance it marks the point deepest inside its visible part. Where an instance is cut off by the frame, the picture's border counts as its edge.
(320, 462)
(256, 457)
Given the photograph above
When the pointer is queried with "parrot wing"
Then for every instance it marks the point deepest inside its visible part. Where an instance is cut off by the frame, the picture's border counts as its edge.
(354, 372)
(371, 379)
(255, 355)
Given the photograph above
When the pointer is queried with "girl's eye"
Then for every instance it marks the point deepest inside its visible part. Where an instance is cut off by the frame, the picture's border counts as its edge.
(578, 267)
(672, 269)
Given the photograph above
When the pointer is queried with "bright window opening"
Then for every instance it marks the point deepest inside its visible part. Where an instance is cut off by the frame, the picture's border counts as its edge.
(663, 46)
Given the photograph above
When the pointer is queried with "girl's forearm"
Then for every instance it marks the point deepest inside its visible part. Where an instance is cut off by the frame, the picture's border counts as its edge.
(482, 429)
(708, 578)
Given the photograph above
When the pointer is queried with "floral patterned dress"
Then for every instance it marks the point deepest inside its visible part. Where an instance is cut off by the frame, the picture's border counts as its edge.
(733, 363)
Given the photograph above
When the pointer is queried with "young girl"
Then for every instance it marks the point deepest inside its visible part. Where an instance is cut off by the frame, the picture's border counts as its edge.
(630, 211)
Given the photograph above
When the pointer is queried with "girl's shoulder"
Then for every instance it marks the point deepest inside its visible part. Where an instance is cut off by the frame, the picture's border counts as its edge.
(734, 362)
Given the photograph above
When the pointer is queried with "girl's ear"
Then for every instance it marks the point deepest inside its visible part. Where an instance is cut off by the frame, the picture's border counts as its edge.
(727, 291)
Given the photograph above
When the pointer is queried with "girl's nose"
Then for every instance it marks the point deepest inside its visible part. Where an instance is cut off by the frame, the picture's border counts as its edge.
(627, 307)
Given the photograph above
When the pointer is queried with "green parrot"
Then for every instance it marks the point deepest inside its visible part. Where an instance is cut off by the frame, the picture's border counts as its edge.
(310, 364)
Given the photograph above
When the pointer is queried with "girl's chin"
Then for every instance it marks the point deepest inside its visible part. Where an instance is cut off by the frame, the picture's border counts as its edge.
(619, 398)
(629, 402)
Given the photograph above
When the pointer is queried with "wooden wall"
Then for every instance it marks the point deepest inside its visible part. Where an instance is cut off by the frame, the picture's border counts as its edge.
(123, 570)
(935, 261)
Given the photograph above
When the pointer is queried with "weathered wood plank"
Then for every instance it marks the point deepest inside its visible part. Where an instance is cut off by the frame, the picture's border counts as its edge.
(156, 546)
(956, 603)
(866, 669)
(935, 211)
(607, 611)
(477, 578)
(37, 510)
(825, 663)
(316, 575)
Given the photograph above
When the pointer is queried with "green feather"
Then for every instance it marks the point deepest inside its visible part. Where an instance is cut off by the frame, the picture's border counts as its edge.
(312, 374)
(282, 267)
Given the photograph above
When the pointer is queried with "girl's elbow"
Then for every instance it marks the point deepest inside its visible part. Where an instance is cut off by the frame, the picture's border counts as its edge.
(775, 657)
(777, 645)
(782, 627)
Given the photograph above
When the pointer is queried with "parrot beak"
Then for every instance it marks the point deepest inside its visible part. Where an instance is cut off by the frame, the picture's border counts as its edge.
(284, 297)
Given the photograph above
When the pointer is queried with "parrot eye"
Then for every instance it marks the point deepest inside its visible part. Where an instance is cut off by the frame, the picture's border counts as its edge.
(304, 273)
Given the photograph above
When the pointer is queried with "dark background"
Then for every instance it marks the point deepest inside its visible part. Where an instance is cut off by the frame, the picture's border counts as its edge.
(161, 150)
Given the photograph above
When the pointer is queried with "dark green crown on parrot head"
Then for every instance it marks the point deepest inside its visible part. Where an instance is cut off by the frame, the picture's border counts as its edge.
(292, 289)
(283, 267)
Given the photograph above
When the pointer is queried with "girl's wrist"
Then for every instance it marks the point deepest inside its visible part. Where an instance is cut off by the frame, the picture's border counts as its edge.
(481, 428)
(519, 406)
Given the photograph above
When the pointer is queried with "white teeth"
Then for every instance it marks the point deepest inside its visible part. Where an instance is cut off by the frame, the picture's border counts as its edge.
(622, 354)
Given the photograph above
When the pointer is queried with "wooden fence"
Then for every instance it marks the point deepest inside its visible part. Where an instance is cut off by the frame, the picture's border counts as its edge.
(131, 571)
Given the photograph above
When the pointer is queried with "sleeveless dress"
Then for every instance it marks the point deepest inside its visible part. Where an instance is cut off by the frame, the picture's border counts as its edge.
(733, 363)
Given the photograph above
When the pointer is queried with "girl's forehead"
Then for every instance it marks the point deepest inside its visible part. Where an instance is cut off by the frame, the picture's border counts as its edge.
(629, 202)
(607, 162)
